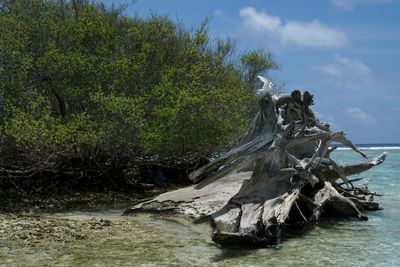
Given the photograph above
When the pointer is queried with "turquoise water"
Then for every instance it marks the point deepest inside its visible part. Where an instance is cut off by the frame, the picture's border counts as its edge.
(145, 240)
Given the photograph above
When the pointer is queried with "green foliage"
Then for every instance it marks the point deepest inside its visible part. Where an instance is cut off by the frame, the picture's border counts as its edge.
(31, 126)
(77, 76)
(256, 63)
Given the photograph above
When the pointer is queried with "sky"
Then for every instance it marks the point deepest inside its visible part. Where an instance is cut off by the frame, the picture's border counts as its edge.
(345, 52)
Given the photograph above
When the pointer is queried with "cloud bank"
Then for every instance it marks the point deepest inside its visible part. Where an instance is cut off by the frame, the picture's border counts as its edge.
(342, 67)
(308, 34)
(346, 74)
(360, 116)
(351, 4)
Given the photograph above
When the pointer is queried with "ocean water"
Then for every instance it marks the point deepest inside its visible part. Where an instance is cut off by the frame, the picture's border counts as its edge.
(172, 241)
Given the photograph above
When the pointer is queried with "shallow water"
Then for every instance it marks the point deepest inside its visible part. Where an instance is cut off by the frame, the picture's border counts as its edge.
(145, 240)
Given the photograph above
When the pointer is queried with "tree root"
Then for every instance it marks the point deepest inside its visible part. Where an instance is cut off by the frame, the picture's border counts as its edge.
(291, 183)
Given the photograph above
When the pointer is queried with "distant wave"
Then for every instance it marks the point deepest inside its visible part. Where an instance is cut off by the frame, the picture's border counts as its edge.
(373, 148)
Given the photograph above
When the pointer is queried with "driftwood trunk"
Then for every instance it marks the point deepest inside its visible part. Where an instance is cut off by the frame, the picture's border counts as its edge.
(279, 176)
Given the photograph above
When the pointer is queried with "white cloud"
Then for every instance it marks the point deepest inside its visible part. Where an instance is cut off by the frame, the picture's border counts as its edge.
(330, 70)
(351, 4)
(345, 74)
(218, 13)
(260, 20)
(346, 69)
(344, 4)
(313, 34)
(360, 116)
(310, 34)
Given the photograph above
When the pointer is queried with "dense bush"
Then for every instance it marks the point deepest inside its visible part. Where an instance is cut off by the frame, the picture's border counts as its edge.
(77, 76)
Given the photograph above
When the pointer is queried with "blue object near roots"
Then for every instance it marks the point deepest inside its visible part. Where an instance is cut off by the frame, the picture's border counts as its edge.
(157, 176)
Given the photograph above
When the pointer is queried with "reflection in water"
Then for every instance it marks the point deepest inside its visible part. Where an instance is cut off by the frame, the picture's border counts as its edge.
(144, 240)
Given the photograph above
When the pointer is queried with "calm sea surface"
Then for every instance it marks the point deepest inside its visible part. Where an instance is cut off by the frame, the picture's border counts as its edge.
(155, 241)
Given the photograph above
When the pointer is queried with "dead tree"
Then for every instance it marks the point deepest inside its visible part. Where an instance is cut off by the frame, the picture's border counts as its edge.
(278, 176)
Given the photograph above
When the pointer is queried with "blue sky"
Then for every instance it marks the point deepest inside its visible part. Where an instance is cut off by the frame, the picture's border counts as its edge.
(345, 52)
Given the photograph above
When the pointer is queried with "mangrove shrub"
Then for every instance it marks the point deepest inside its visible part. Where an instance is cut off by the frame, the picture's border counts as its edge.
(81, 77)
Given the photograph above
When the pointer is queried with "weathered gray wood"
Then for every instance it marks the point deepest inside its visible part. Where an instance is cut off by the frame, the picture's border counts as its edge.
(195, 203)
(289, 180)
